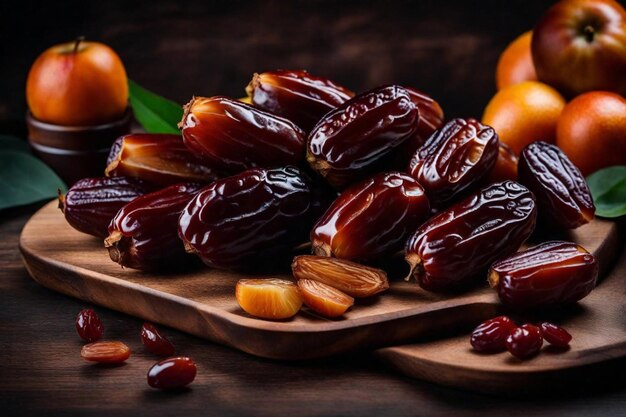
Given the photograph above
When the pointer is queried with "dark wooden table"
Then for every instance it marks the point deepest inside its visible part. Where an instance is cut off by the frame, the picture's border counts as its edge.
(41, 372)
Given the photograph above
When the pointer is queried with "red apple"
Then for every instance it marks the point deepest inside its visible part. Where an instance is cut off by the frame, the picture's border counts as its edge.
(77, 84)
(580, 46)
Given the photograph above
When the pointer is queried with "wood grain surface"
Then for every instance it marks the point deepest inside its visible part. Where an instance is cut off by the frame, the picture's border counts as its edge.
(201, 302)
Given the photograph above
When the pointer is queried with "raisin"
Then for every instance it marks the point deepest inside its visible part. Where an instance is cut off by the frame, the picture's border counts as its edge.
(555, 335)
(172, 373)
(155, 342)
(525, 341)
(490, 336)
(89, 326)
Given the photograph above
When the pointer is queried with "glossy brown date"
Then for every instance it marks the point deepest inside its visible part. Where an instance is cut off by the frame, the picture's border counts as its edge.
(296, 95)
(460, 243)
(157, 158)
(552, 273)
(358, 138)
(563, 196)
(431, 119)
(235, 136)
(250, 218)
(505, 167)
(371, 219)
(91, 203)
(144, 233)
(454, 159)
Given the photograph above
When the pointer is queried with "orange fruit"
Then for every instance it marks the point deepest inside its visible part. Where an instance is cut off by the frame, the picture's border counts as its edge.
(515, 64)
(272, 298)
(592, 131)
(524, 113)
(324, 299)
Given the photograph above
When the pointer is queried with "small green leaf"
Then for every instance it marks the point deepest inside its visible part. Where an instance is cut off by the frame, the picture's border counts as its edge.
(155, 113)
(8, 143)
(608, 188)
(24, 179)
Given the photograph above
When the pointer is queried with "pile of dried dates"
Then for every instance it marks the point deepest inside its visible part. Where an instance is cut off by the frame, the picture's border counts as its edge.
(361, 178)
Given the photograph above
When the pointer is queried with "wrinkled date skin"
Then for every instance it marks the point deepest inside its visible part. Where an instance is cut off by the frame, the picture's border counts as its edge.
(250, 218)
(562, 193)
(91, 203)
(505, 167)
(431, 119)
(235, 136)
(459, 244)
(552, 273)
(144, 233)
(371, 219)
(161, 159)
(454, 159)
(357, 138)
(491, 335)
(296, 95)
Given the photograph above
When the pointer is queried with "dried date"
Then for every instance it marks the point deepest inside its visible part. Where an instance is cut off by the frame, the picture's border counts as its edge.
(358, 138)
(505, 167)
(563, 196)
(552, 273)
(235, 136)
(296, 95)
(431, 119)
(371, 219)
(461, 242)
(91, 203)
(249, 218)
(161, 159)
(144, 233)
(454, 159)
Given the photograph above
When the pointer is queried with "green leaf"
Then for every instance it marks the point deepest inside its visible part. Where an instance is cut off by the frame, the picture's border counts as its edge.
(12, 143)
(608, 188)
(155, 113)
(24, 179)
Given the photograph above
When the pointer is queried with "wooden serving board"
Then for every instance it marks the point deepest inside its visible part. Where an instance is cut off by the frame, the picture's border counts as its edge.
(202, 302)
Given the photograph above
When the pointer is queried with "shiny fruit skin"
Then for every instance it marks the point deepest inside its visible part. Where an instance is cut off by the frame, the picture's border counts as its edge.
(490, 335)
(233, 136)
(144, 233)
(324, 299)
(273, 299)
(371, 219)
(431, 118)
(555, 335)
(109, 352)
(524, 341)
(515, 64)
(505, 167)
(524, 113)
(91, 203)
(172, 373)
(560, 189)
(592, 131)
(454, 158)
(154, 341)
(552, 273)
(157, 158)
(296, 95)
(89, 326)
(580, 46)
(249, 218)
(77, 88)
(454, 247)
(356, 280)
(357, 139)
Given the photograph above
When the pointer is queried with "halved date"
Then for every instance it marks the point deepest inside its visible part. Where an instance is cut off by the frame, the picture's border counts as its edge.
(161, 159)
(563, 196)
(235, 136)
(296, 95)
(358, 138)
(250, 218)
(552, 273)
(454, 159)
(143, 234)
(91, 203)
(371, 219)
(460, 243)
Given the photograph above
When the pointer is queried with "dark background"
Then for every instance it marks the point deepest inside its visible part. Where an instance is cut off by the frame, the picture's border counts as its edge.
(449, 49)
